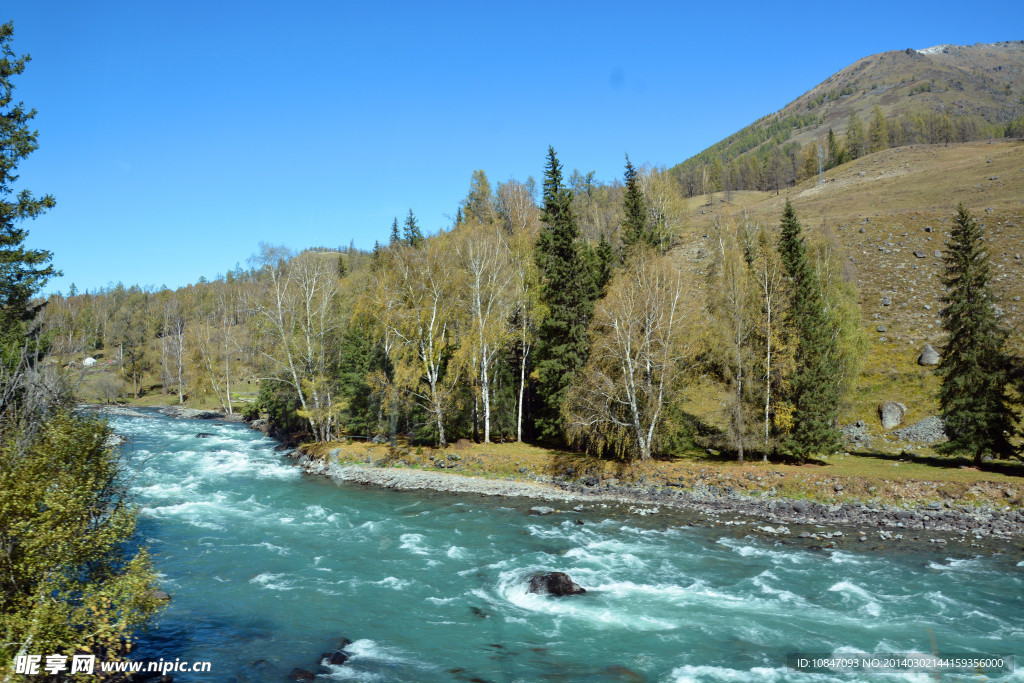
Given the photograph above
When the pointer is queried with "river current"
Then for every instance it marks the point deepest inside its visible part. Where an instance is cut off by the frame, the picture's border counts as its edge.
(269, 568)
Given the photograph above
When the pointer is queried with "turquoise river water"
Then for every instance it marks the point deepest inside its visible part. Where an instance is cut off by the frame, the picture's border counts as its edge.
(269, 568)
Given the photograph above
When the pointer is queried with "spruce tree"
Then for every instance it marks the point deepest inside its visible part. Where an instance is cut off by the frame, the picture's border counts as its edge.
(566, 289)
(975, 369)
(411, 231)
(815, 382)
(23, 271)
(634, 209)
(395, 237)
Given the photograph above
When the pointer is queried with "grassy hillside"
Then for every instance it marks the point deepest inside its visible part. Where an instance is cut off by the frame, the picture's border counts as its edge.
(980, 87)
(889, 213)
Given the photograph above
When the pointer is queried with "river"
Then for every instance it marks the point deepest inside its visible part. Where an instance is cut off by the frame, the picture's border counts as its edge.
(269, 568)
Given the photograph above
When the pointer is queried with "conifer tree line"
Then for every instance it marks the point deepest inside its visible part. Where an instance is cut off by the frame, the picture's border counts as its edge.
(765, 158)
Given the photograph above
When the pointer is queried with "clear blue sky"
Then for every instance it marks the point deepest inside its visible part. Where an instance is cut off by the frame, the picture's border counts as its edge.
(177, 134)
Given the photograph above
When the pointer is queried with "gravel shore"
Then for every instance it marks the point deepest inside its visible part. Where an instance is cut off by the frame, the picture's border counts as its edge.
(935, 523)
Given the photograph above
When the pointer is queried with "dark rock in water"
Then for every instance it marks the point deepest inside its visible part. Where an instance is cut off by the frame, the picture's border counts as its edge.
(929, 356)
(282, 447)
(298, 674)
(160, 595)
(554, 583)
(541, 510)
(203, 435)
(343, 643)
(336, 658)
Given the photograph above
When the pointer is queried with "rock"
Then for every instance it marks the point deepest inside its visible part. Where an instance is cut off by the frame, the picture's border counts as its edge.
(891, 414)
(336, 658)
(838, 487)
(938, 254)
(158, 594)
(114, 440)
(554, 583)
(541, 510)
(920, 254)
(886, 301)
(861, 230)
(260, 425)
(298, 674)
(929, 430)
(203, 435)
(929, 356)
(880, 328)
(379, 439)
(190, 413)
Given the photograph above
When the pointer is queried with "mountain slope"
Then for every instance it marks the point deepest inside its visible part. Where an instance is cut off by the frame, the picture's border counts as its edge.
(979, 87)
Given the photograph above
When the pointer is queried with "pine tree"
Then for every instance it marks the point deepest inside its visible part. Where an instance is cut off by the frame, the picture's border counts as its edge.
(411, 231)
(566, 289)
(815, 382)
(634, 209)
(878, 131)
(395, 237)
(854, 137)
(974, 366)
(23, 272)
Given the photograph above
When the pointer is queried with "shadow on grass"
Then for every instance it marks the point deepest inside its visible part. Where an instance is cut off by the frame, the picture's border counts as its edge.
(1007, 467)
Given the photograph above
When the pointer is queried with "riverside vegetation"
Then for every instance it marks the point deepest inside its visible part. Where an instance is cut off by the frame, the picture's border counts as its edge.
(71, 580)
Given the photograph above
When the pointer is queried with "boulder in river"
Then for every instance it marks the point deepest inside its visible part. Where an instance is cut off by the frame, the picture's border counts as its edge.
(541, 510)
(203, 435)
(298, 674)
(336, 658)
(554, 583)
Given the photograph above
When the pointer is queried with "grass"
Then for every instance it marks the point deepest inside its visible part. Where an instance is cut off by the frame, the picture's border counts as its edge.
(891, 478)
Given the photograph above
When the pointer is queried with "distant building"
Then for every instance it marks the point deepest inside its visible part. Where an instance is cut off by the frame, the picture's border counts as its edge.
(89, 362)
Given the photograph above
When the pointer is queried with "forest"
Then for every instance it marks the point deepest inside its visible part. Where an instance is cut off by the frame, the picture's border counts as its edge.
(564, 320)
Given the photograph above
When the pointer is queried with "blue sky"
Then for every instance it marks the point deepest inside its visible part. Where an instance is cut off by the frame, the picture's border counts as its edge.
(177, 135)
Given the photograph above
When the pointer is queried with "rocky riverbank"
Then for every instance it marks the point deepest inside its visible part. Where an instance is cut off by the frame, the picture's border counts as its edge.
(936, 523)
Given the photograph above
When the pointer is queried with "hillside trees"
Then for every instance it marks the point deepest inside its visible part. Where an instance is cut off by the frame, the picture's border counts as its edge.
(479, 204)
(732, 300)
(566, 291)
(974, 366)
(130, 328)
(878, 131)
(815, 384)
(855, 141)
(616, 404)
(634, 213)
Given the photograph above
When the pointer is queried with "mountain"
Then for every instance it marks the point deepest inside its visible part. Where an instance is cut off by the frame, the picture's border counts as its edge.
(946, 93)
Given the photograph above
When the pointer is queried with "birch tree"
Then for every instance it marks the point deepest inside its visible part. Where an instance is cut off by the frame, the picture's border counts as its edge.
(294, 311)
(424, 285)
(487, 301)
(731, 300)
(616, 403)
